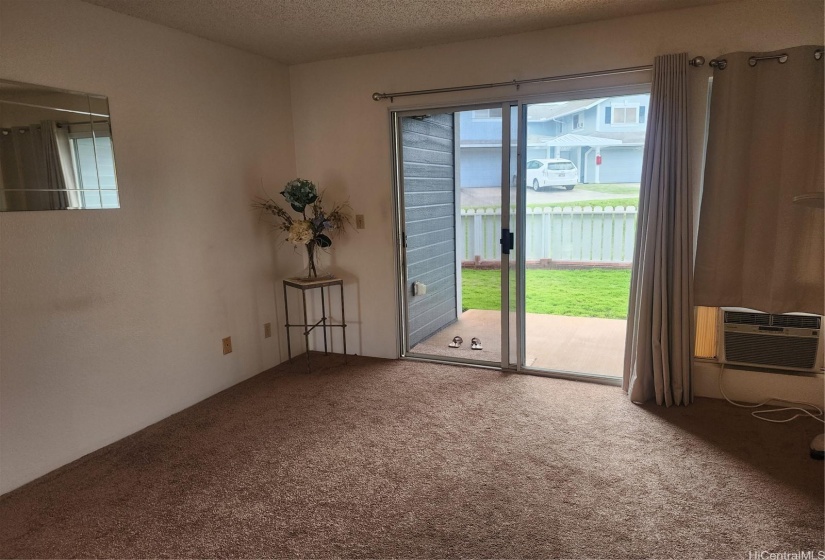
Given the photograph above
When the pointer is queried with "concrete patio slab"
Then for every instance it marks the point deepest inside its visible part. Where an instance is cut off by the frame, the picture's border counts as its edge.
(553, 342)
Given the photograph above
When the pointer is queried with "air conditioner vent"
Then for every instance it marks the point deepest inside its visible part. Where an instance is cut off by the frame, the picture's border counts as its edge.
(743, 318)
(777, 320)
(771, 350)
(797, 321)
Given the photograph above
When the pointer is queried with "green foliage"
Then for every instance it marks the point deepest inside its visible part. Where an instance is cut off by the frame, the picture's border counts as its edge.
(299, 193)
(306, 230)
(631, 189)
(627, 194)
(592, 292)
(595, 203)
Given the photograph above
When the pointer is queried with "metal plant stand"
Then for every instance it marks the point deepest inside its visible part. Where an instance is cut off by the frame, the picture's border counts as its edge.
(324, 322)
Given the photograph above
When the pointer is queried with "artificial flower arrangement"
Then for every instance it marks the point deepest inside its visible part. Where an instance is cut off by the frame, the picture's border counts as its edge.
(308, 230)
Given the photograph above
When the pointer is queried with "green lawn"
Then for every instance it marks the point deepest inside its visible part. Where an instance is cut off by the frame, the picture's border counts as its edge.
(611, 188)
(627, 194)
(599, 202)
(590, 292)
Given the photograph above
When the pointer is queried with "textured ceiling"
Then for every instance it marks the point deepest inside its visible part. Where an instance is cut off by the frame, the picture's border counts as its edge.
(296, 31)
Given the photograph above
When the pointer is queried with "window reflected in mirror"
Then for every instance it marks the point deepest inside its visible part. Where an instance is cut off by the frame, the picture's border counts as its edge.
(56, 150)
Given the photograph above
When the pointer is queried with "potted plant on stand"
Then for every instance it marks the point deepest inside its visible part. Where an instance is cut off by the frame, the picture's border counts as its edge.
(315, 226)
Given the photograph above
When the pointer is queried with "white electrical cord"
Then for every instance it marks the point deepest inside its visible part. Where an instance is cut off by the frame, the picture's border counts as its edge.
(801, 412)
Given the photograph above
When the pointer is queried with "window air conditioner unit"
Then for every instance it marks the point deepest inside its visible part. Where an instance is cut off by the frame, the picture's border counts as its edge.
(788, 341)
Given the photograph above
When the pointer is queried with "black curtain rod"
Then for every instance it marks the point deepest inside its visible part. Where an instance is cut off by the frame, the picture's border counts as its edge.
(722, 63)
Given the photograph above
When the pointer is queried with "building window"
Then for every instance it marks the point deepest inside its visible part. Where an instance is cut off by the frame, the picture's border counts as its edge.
(578, 122)
(487, 113)
(625, 113)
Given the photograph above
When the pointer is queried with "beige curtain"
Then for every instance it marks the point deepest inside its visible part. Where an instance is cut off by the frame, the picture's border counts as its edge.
(37, 163)
(56, 163)
(756, 248)
(659, 348)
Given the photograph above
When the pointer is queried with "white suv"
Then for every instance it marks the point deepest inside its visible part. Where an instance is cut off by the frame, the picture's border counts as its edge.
(552, 173)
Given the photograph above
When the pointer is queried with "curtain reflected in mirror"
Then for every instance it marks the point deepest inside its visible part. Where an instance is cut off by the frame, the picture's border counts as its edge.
(56, 150)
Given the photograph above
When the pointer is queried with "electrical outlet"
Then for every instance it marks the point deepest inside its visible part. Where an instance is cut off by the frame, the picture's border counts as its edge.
(227, 345)
(359, 221)
(267, 330)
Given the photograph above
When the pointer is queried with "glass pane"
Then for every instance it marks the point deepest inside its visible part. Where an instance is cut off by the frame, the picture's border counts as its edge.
(85, 163)
(42, 97)
(105, 162)
(109, 199)
(55, 149)
(580, 225)
(98, 106)
(451, 179)
(94, 161)
(91, 199)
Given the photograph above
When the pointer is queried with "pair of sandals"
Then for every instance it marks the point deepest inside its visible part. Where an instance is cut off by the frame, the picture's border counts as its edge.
(475, 343)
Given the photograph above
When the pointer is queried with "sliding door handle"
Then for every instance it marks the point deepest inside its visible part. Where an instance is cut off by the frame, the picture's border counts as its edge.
(506, 241)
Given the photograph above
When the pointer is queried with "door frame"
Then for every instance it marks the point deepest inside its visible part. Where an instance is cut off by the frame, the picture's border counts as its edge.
(506, 103)
(400, 221)
(521, 224)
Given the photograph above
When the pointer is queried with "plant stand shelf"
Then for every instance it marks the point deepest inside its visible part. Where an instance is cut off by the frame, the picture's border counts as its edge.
(305, 284)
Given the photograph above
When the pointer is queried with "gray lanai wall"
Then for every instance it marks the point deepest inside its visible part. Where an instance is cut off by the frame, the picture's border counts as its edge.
(429, 214)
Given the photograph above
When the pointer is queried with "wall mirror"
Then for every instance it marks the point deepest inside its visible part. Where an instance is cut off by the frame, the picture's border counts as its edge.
(56, 150)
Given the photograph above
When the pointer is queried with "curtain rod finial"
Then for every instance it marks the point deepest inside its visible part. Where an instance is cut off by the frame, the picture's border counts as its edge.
(697, 61)
(377, 96)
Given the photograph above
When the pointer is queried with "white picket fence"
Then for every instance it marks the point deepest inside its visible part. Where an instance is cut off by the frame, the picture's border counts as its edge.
(589, 234)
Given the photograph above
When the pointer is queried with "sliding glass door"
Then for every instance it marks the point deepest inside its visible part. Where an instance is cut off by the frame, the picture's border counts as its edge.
(516, 227)
(582, 167)
(453, 174)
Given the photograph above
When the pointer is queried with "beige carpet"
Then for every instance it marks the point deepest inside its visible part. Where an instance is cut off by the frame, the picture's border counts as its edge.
(406, 459)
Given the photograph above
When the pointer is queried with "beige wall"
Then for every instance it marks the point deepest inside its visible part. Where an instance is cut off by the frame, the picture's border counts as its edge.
(342, 136)
(112, 320)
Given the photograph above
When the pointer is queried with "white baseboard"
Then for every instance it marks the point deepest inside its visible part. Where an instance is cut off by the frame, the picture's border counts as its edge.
(756, 386)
